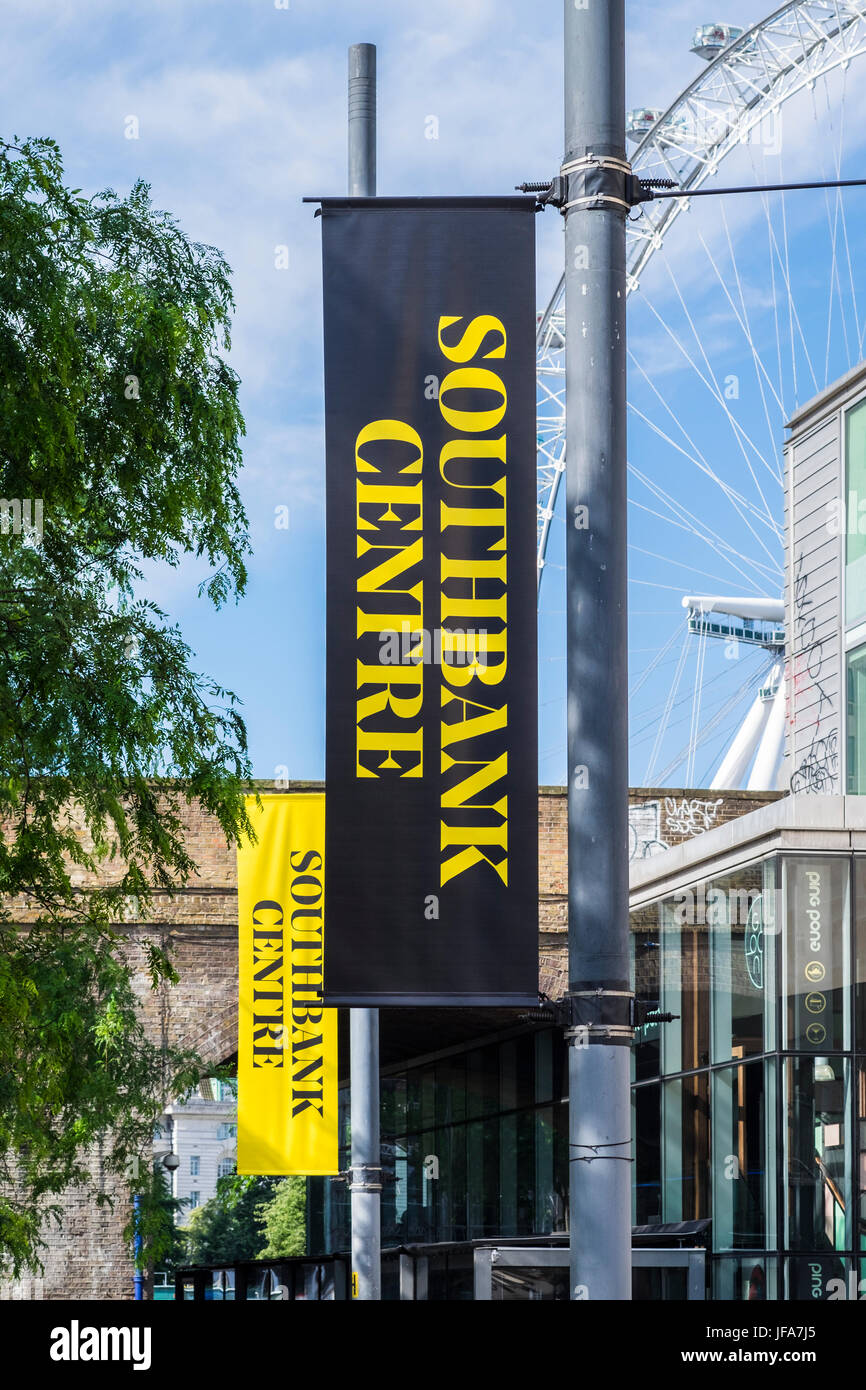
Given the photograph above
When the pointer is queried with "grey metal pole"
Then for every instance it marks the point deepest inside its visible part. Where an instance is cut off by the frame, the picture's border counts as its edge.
(595, 380)
(362, 120)
(366, 1172)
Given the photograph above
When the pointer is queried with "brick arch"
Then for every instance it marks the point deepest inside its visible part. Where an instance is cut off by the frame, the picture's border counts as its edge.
(218, 1042)
(214, 1037)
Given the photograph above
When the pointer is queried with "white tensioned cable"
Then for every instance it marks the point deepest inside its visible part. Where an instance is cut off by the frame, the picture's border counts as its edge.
(656, 661)
(737, 499)
(738, 431)
(682, 565)
(833, 232)
(685, 520)
(841, 201)
(666, 714)
(740, 505)
(696, 707)
(747, 686)
(762, 376)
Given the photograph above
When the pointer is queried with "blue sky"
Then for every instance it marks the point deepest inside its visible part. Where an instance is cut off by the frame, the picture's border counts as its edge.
(240, 111)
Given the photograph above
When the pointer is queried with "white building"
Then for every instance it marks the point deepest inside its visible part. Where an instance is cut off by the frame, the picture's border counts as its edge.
(202, 1132)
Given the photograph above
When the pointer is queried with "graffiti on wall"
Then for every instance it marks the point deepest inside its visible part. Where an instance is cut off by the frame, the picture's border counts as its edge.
(644, 830)
(651, 825)
(690, 815)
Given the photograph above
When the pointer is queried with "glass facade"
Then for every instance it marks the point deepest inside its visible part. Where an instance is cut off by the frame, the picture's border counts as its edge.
(746, 1103)
(749, 1104)
(474, 1144)
(856, 722)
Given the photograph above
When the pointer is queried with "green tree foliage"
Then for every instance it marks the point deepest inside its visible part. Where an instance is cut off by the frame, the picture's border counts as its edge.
(283, 1220)
(121, 418)
(228, 1228)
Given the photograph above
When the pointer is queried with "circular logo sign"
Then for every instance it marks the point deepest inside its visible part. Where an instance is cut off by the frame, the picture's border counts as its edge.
(814, 971)
(753, 943)
(816, 1003)
(816, 1033)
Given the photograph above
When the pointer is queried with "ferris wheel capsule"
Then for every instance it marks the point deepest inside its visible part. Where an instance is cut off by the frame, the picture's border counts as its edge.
(640, 121)
(709, 39)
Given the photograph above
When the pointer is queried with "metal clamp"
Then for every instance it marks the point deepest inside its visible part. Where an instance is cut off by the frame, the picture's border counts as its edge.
(595, 181)
(600, 1016)
(364, 1183)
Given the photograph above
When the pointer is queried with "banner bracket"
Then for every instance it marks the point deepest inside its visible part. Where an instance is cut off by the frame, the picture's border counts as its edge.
(370, 1179)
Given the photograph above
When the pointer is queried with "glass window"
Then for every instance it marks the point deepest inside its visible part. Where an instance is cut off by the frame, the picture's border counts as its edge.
(451, 1193)
(685, 984)
(646, 1129)
(508, 1175)
(393, 1105)
(482, 1164)
(733, 909)
(860, 953)
(516, 1073)
(855, 494)
(816, 947)
(771, 923)
(823, 1277)
(549, 1214)
(742, 1176)
(419, 1211)
(749, 1279)
(194, 1199)
(223, 1285)
(394, 1190)
(450, 1098)
(193, 1165)
(685, 1149)
(227, 1131)
(818, 1195)
(225, 1167)
(655, 1284)
(482, 1081)
(860, 1242)
(421, 1098)
(517, 1284)
(855, 761)
(428, 1097)
(543, 1065)
(645, 955)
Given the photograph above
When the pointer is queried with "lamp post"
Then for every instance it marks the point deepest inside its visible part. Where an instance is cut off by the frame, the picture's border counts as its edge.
(365, 1176)
(595, 168)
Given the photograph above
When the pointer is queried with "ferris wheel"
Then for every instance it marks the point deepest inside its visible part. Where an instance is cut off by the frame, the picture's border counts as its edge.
(738, 314)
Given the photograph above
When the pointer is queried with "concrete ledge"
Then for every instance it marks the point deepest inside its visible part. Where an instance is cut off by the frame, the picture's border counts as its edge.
(831, 824)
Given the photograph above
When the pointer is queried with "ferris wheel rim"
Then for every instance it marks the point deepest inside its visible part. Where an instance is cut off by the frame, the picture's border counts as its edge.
(847, 14)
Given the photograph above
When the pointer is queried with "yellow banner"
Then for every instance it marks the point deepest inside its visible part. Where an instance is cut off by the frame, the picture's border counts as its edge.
(287, 1044)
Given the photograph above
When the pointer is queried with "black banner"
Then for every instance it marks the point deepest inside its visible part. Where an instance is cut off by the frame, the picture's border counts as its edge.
(431, 814)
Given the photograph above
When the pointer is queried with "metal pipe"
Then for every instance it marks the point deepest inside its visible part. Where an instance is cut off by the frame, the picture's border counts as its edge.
(362, 120)
(597, 663)
(365, 1184)
(138, 1276)
(366, 1172)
